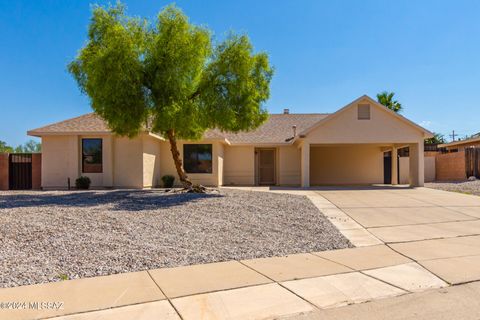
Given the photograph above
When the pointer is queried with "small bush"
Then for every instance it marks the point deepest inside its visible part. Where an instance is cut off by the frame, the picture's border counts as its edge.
(168, 181)
(83, 183)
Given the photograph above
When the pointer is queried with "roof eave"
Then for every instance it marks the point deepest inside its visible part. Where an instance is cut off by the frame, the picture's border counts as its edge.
(460, 142)
(35, 133)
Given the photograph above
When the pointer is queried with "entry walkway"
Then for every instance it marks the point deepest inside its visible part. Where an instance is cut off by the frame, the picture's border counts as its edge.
(408, 241)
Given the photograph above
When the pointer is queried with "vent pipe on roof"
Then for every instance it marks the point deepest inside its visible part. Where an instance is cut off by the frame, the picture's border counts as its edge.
(294, 127)
(286, 111)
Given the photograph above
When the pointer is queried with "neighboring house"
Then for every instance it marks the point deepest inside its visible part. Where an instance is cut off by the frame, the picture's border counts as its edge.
(460, 145)
(346, 147)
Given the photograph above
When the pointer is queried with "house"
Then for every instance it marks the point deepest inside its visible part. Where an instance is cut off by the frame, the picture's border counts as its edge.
(343, 148)
(460, 145)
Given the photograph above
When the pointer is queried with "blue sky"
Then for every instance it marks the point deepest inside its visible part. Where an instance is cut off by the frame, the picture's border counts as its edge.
(325, 53)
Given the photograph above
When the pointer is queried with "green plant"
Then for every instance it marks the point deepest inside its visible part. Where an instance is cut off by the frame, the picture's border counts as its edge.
(168, 181)
(170, 74)
(5, 148)
(83, 183)
(386, 98)
(63, 277)
(437, 138)
(29, 147)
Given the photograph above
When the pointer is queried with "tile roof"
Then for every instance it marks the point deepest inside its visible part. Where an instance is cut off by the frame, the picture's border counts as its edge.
(275, 130)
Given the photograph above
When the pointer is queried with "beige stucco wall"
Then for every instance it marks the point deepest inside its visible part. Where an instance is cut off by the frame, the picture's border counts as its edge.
(347, 164)
(128, 162)
(239, 165)
(167, 165)
(220, 158)
(404, 167)
(62, 159)
(59, 161)
(151, 161)
(381, 128)
(288, 166)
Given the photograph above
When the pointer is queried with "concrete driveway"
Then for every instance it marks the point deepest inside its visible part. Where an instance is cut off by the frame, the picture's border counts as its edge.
(440, 230)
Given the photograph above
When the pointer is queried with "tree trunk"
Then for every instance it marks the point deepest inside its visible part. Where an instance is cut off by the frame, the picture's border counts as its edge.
(187, 184)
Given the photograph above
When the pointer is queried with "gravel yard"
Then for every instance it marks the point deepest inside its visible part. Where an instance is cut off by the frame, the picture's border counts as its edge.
(470, 187)
(54, 235)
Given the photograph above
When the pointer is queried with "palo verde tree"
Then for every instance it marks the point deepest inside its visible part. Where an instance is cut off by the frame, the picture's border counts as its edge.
(386, 98)
(170, 77)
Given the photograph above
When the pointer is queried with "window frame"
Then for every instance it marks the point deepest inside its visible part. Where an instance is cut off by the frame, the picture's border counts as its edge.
(196, 145)
(101, 155)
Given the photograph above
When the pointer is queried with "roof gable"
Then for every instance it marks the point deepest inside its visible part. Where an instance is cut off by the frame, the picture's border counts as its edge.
(375, 104)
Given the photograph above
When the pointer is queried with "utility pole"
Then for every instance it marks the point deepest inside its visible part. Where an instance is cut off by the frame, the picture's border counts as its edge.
(453, 135)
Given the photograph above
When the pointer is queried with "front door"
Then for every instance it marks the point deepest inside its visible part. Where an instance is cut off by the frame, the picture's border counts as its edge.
(387, 167)
(266, 166)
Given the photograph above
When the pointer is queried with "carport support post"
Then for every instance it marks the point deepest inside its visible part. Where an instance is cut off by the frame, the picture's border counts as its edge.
(394, 165)
(417, 170)
(305, 155)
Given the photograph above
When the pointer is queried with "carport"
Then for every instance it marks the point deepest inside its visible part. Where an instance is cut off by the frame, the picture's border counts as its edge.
(348, 147)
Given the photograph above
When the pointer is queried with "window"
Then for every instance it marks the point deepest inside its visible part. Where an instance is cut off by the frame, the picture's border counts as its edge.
(92, 156)
(197, 158)
(363, 112)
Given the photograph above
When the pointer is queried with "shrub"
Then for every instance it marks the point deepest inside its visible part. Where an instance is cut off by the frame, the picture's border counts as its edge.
(168, 181)
(83, 183)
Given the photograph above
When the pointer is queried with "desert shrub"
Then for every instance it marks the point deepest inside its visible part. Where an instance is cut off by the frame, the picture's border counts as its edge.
(83, 183)
(168, 181)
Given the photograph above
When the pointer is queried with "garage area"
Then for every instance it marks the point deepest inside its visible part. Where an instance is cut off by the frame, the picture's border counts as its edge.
(346, 164)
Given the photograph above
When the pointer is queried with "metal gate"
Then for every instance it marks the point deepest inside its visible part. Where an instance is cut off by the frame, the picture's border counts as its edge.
(472, 162)
(20, 171)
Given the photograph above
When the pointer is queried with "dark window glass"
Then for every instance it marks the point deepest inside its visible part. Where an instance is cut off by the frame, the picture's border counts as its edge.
(91, 155)
(197, 158)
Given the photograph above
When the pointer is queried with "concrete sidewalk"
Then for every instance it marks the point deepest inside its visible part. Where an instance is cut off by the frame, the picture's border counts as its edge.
(458, 302)
(247, 289)
(297, 284)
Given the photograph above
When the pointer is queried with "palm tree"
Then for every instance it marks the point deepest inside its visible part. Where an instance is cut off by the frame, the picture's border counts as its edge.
(386, 98)
(437, 138)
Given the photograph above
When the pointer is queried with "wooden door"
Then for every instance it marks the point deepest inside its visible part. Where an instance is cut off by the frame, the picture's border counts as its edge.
(266, 166)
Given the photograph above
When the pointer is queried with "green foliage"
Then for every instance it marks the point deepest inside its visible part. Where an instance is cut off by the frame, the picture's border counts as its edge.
(386, 98)
(83, 183)
(63, 277)
(5, 148)
(29, 147)
(437, 138)
(171, 74)
(168, 181)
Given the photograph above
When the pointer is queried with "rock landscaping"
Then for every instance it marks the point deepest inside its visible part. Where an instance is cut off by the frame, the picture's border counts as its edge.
(57, 235)
(469, 187)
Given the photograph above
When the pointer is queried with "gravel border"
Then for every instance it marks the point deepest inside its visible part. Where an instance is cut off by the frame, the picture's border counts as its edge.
(54, 235)
(468, 187)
